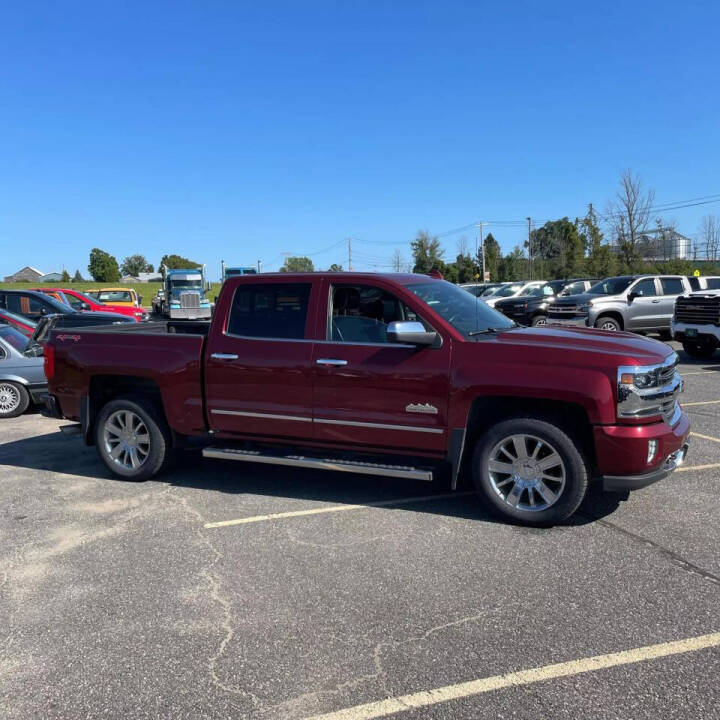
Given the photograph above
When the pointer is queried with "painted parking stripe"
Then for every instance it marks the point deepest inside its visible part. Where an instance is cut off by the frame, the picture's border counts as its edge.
(390, 706)
(702, 402)
(334, 509)
(688, 468)
(705, 437)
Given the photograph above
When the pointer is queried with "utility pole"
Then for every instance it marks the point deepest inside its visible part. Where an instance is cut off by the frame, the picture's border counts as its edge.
(259, 266)
(349, 255)
(530, 248)
(482, 251)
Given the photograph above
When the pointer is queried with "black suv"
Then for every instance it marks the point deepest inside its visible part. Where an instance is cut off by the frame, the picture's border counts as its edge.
(30, 304)
(532, 307)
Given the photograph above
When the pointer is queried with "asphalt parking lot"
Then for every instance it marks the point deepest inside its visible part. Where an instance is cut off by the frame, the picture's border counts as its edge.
(220, 591)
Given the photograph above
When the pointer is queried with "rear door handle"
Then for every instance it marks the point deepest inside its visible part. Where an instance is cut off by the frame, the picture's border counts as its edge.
(224, 356)
(331, 362)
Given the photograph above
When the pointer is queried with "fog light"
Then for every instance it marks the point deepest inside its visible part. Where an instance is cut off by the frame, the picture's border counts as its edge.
(652, 450)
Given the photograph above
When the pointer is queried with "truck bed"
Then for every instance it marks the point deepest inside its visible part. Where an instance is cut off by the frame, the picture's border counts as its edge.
(167, 356)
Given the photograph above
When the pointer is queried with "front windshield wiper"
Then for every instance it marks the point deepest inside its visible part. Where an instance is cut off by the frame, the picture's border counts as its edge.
(487, 331)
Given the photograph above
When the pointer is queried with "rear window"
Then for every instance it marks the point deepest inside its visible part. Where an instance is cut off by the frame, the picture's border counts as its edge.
(13, 338)
(713, 283)
(270, 311)
(112, 296)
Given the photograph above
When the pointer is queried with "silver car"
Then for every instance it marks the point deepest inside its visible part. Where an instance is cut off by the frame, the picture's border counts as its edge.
(22, 378)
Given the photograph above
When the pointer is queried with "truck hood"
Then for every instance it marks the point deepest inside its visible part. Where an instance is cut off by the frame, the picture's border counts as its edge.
(586, 346)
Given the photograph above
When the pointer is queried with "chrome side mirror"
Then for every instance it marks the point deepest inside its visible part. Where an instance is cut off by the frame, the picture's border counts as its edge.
(410, 333)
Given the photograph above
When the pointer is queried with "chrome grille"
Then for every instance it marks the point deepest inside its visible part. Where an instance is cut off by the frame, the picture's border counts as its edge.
(698, 309)
(190, 300)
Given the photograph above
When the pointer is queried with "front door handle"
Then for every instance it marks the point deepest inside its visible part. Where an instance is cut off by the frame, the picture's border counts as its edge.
(224, 356)
(655, 301)
(331, 362)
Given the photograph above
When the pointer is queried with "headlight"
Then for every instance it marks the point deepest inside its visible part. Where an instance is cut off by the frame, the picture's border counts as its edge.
(639, 380)
(584, 308)
(648, 391)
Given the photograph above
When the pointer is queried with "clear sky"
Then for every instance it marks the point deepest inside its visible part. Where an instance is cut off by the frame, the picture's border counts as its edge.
(244, 130)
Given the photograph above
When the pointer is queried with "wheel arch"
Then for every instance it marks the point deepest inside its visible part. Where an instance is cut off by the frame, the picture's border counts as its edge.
(104, 388)
(490, 410)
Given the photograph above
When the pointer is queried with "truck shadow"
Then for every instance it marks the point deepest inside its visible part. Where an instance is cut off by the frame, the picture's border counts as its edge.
(54, 452)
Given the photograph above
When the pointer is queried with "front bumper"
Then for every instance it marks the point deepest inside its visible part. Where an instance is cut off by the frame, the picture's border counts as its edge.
(623, 483)
(571, 321)
(622, 452)
(698, 332)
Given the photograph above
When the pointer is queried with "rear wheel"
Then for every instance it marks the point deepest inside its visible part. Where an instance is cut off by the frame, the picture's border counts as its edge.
(132, 439)
(608, 323)
(14, 399)
(699, 348)
(530, 470)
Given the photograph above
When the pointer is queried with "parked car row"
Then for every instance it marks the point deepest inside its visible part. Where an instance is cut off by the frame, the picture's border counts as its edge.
(636, 303)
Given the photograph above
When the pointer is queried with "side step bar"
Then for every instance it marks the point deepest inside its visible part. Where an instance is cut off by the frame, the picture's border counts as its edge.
(318, 463)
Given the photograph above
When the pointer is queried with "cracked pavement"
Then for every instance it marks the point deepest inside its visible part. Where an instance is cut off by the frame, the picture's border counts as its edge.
(116, 601)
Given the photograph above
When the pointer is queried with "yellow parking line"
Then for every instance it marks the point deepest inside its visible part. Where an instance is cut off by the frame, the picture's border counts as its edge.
(688, 468)
(333, 509)
(705, 437)
(390, 706)
(702, 402)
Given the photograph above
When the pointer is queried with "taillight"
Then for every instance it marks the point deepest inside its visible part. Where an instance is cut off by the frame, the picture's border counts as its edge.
(49, 361)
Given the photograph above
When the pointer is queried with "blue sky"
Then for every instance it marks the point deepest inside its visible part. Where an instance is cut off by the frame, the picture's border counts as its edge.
(243, 130)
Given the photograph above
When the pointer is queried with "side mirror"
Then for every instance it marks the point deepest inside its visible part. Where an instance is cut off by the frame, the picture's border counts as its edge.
(410, 333)
(84, 306)
(632, 295)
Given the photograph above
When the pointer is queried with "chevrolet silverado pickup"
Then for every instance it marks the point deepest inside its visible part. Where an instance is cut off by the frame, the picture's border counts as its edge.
(396, 375)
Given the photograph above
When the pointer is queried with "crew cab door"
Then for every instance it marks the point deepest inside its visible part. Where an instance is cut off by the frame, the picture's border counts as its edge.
(258, 360)
(372, 392)
(644, 311)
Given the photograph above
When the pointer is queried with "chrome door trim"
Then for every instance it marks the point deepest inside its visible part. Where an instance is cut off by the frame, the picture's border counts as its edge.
(333, 362)
(267, 416)
(382, 426)
(224, 356)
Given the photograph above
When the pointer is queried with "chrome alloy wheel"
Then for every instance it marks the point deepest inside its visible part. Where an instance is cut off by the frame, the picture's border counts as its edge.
(9, 399)
(608, 325)
(526, 472)
(126, 439)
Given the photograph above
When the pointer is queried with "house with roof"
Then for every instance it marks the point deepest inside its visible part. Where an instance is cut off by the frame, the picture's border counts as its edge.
(26, 274)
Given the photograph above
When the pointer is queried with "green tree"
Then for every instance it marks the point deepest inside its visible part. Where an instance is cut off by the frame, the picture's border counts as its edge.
(592, 238)
(103, 267)
(466, 268)
(492, 257)
(298, 264)
(178, 262)
(427, 253)
(335, 268)
(77, 277)
(134, 265)
(558, 249)
(65, 276)
(513, 265)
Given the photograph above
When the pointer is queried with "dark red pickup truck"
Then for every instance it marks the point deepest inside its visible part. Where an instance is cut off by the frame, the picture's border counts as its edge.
(397, 375)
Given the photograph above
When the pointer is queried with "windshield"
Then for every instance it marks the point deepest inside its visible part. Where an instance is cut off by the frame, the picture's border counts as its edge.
(186, 285)
(611, 286)
(13, 338)
(459, 308)
(506, 290)
(111, 296)
(539, 290)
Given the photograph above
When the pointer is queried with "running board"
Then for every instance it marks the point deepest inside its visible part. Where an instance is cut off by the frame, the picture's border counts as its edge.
(318, 463)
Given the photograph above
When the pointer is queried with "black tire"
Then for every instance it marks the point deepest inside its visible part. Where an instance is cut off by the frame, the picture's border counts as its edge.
(540, 320)
(569, 495)
(665, 335)
(699, 348)
(605, 322)
(14, 399)
(158, 433)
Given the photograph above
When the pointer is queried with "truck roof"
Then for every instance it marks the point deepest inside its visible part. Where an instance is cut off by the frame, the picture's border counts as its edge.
(401, 278)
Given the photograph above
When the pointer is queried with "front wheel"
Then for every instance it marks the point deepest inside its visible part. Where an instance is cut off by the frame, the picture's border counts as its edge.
(538, 321)
(132, 439)
(698, 348)
(530, 470)
(608, 323)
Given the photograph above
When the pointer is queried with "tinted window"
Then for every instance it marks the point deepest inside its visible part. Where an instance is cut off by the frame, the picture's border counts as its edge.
(575, 288)
(506, 290)
(272, 311)
(27, 305)
(694, 282)
(362, 313)
(645, 288)
(672, 286)
(713, 284)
